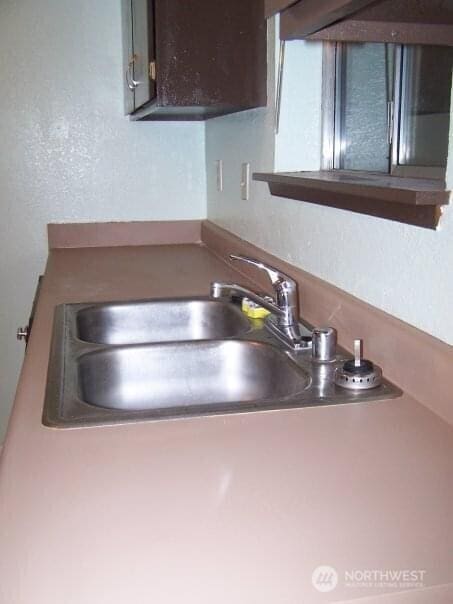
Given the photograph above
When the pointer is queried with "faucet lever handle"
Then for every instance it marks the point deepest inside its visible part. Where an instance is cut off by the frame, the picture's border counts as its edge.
(274, 274)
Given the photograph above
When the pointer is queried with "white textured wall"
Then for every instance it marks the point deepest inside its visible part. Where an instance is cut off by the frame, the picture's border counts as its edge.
(68, 154)
(404, 270)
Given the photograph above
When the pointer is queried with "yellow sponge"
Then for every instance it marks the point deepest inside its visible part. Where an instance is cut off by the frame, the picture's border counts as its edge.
(253, 310)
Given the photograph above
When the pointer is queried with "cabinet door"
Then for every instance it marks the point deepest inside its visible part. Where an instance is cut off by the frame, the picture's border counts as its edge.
(143, 51)
(138, 53)
(128, 54)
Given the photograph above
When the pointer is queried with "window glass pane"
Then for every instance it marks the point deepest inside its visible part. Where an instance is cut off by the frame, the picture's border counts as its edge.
(365, 74)
(425, 107)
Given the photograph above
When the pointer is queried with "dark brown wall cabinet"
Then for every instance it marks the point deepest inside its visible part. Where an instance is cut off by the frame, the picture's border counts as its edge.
(193, 60)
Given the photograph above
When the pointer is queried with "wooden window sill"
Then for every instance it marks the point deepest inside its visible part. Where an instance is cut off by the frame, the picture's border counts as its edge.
(416, 201)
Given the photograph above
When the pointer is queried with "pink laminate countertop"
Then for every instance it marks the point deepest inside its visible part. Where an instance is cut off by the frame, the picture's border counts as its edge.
(238, 509)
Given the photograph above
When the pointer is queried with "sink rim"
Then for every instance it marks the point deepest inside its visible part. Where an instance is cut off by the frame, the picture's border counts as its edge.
(61, 410)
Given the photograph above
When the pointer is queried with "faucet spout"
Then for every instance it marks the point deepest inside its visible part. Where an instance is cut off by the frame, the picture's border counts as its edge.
(285, 290)
(284, 321)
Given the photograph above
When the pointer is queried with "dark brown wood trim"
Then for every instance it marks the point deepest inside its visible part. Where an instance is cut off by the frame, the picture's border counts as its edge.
(408, 11)
(271, 7)
(309, 16)
(398, 21)
(352, 30)
(411, 201)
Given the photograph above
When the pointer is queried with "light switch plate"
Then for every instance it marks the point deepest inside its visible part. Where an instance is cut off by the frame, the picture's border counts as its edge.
(245, 181)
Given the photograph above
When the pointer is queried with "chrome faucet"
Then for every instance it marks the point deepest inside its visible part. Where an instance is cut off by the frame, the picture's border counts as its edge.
(283, 322)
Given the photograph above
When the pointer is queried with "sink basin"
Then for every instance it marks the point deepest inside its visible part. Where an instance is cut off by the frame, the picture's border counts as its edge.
(114, 363)
(159, 321)
(190, 374)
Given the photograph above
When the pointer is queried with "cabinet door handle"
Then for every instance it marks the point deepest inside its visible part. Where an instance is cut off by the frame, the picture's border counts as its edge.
(152, 71)
(131, 83)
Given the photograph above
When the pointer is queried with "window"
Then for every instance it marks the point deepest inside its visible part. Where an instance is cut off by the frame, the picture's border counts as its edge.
(387, 108)
(386, 121)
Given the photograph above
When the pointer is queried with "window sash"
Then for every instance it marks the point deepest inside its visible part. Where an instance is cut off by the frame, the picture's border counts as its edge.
(331, 128)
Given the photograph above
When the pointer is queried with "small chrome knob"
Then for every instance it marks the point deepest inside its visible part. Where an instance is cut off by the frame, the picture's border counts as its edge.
(22, 333)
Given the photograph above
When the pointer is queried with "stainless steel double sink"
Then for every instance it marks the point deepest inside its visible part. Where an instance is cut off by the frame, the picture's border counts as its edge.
(157, 359)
